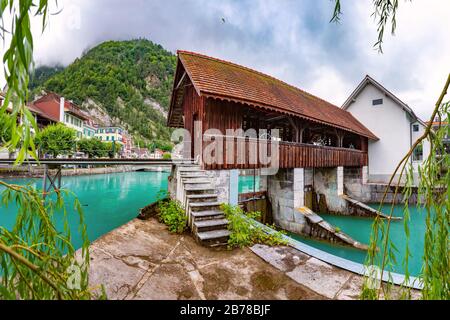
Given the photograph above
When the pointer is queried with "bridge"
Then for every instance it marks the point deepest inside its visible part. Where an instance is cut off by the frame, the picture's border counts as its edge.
(52, 180)
(75, 161)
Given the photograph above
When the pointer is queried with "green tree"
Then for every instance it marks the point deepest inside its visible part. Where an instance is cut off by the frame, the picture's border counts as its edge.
(123, 77)
(85, 145)
(93, 147)
(36, 257)
(56, 140)
(5, 129)
(113, 148)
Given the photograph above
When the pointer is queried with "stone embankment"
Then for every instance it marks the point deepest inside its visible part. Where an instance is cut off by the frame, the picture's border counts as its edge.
(38, 172)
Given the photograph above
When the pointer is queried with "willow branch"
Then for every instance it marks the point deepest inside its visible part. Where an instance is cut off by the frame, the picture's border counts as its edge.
(402, 165)
(30, 266)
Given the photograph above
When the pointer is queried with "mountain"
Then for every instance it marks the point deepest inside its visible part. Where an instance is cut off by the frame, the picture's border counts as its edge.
(124, 83)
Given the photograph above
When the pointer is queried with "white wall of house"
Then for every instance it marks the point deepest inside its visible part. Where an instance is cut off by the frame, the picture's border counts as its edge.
(75, 123)
(392, 125)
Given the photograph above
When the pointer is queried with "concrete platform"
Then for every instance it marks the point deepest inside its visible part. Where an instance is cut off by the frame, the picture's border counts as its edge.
(142, 260)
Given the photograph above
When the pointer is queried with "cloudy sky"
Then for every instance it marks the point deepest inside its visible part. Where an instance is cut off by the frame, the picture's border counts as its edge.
(289, 39)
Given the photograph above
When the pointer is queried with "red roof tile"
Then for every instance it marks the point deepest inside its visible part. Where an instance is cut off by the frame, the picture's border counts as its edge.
(222, 79)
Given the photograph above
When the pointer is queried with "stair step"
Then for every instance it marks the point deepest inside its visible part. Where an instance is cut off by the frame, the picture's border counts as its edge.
(211, 223)
(198, 181)
(204, 204)
(202, 196)
(194, 176)
(187, 170)
(197, 188)
(211, 235)
(208, 214)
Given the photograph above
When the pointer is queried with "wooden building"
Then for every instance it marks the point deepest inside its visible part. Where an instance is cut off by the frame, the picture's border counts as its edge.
(221, 95)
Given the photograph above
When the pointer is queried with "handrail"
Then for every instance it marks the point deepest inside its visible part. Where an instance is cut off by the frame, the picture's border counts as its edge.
(300, 144)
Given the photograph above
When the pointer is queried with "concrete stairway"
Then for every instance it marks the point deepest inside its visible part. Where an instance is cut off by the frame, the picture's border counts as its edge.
(205, 218)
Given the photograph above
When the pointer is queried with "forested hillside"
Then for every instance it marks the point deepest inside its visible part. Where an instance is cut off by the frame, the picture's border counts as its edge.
(130, 81)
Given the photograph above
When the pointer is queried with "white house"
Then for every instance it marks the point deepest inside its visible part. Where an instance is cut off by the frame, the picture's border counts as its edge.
(393, 121)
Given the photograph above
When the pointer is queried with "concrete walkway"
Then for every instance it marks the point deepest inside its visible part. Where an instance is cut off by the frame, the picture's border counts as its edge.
(142, 260)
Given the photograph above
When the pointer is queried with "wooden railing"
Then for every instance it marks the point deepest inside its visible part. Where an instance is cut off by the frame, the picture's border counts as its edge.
(249, 153)
(295, 155)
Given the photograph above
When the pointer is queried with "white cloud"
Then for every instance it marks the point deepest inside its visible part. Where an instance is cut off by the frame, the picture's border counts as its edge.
(291, 40)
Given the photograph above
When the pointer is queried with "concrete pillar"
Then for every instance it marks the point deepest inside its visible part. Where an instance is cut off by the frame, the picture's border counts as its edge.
(234, 187)
(221, 179)
(365, 175)
(340, 181)
(299, 187)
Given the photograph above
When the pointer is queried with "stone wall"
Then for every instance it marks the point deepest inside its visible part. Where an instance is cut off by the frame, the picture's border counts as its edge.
(38, 172)
(281, 194)
(354, 187)
(371, 192)
(326, 183)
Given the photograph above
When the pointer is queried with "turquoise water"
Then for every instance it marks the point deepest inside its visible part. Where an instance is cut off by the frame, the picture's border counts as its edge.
(360, 229)
(246, 184)
(108, 201)
(112, 200)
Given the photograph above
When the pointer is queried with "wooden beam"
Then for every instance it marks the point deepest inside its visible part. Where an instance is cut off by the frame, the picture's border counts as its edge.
(276, 118)
(181, 81)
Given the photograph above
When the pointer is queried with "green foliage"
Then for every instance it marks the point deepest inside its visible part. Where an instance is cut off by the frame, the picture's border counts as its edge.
(435, 189)
(5, 129)
(384, 11)
(433, 195)
(172, 214)
(17, 61)
(120, 76)
(93, 148)
(36, 260)
(245, 232)
(161, 145)
(56, 140)
(112, 148)
(43, 73)
(167, 156)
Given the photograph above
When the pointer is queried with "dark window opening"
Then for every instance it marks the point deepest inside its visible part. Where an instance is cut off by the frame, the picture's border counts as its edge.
(418, 153)
(377, 102)
(415, 128)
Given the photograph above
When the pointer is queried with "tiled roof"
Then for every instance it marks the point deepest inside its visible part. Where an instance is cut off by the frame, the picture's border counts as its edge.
(42, 113)
(216, 78)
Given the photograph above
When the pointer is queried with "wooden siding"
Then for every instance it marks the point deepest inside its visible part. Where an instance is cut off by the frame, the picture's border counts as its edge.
(222, 115)
(193, 106)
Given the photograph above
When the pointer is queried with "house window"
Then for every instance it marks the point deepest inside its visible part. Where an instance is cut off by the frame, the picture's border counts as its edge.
(415, 128)
(377, 102)
(418, 153)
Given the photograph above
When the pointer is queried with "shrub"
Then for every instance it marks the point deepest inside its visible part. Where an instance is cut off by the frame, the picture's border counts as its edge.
(172, 214)
(167, 156)
(246, 232)
(56, 140)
